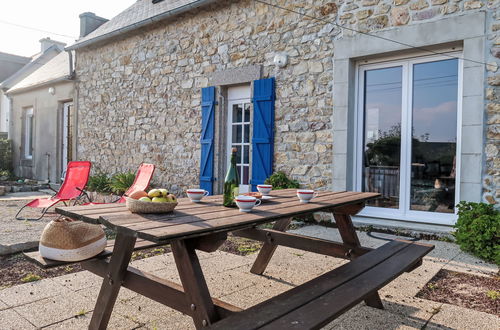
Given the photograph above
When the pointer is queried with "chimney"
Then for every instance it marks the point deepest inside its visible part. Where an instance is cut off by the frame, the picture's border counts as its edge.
(89, 22)
(46, 43)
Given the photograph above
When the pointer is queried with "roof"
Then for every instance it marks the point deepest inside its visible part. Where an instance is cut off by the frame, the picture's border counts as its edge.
(37, 61)
(55, 69)
(10, 64)
(140, 14)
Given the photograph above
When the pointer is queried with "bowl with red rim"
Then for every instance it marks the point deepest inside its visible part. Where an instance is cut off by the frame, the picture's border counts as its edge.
(305, 195)
(195, 195)
(246, 203)
(264, 189)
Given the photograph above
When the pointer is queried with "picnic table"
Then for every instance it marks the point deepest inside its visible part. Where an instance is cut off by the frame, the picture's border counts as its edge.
(204, 226)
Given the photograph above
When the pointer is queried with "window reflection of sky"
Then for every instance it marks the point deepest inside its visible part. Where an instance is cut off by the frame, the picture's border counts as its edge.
(435, 88)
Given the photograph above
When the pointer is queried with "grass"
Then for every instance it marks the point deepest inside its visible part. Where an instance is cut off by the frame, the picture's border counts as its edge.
(81, 313)
(493, 294)
(31, 278)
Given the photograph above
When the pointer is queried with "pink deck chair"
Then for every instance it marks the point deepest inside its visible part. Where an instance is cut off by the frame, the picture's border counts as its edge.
(141, 182)
(75, 180)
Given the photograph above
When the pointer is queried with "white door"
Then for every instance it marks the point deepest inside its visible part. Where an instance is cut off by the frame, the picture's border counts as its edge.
(408, 138)
(238, 131)
(66, 137)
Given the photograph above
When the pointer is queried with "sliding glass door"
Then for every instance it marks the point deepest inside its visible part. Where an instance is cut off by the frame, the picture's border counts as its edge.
(407, 122)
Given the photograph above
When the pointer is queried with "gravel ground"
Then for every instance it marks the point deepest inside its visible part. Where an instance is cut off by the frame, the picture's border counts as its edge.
(15, 234)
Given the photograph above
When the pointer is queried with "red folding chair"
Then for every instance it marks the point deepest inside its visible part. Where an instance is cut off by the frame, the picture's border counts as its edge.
(141, 182)
(75, 180)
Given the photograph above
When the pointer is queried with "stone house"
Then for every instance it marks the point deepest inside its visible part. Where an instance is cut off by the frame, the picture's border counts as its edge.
(394, 96)
(13, 69)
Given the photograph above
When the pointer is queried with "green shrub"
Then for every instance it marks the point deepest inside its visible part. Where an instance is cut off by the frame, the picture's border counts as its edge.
(99, 183)
(6, 155)
(478, 230)
(120, 182)
(279, 180)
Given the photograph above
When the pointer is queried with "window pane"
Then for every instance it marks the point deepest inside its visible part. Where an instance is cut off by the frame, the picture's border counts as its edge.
(30, 135)
(236, 134)
(246, 136)
(246, 154)
(245, 175)
(247, 112)
(237, 113)
(434, 115)
(382, 134)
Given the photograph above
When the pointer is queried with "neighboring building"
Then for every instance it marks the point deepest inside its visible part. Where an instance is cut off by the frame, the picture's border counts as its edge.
(49, 49)
(9, 64)
(332, 108)
(43, 125)
(43, 137)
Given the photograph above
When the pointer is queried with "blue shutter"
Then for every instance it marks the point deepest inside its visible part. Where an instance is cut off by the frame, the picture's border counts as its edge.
(207, 138)
(263, 131)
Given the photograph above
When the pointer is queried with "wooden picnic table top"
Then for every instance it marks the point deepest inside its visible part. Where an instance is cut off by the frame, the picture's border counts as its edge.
(190, 220)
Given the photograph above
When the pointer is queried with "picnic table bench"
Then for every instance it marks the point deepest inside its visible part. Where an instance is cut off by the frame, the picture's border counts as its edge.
(204, 226)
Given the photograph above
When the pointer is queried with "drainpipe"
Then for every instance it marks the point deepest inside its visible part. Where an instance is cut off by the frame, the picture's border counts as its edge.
(71, 69)
(48, 166)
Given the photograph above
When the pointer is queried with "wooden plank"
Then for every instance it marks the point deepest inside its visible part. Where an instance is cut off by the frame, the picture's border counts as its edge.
(163, 291)
(274, 308)
(124, 246)
(267, 250)
(301, 242)
(151, 222)
(235, 222)
(329, 306)
(194, 284)
(42, 262)
(219, 210)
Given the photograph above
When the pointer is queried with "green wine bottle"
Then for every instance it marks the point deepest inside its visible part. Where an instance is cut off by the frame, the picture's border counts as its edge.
(232, 182)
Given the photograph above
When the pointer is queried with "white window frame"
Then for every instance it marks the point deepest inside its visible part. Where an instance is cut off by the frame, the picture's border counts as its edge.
(29, 123)
(67, 107)
(403, 212)
(239, 95)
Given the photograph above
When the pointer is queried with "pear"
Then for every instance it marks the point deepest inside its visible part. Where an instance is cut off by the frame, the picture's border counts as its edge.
(154, 193)
(159, 200)
(145, 199)
(164, 192)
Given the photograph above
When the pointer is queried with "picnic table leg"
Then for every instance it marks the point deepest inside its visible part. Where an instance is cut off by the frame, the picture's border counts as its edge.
(122, 252)
(349, 237)
(267, 250)
(194, 284)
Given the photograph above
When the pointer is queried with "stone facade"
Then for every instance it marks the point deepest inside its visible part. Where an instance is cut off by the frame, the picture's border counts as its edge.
(139, 96)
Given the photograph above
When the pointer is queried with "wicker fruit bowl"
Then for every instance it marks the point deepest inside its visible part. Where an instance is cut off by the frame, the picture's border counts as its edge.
(137, 206)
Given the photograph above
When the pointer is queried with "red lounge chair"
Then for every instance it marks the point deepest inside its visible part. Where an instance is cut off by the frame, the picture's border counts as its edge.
(75, 180)
(141, 182)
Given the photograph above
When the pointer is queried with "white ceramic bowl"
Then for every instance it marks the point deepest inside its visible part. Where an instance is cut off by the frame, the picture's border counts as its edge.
(246, 203)
(264, 189)
(195, 195)
(305, 195)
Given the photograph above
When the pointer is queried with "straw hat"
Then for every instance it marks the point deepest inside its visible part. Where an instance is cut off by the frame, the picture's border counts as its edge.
(68, 240)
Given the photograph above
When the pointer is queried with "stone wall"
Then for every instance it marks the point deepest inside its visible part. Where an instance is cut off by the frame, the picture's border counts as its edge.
(139, 97)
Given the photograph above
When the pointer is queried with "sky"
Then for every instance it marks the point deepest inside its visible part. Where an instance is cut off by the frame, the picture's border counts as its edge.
(58, 17)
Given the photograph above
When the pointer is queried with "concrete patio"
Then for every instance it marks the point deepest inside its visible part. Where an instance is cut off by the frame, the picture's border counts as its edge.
(66, 302)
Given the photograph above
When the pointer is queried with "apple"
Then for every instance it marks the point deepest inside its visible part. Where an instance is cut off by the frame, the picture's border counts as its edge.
(159, 200)
(138, 194)
(164, 192)
(145, 199)
(154, 193)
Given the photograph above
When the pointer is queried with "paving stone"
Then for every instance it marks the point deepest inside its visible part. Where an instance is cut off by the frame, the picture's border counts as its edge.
(30, 292)
(55, 309)
(454, 317)
(78, 281)
(251, 296)
(10, 320)
(116, 322)
(466, 263)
